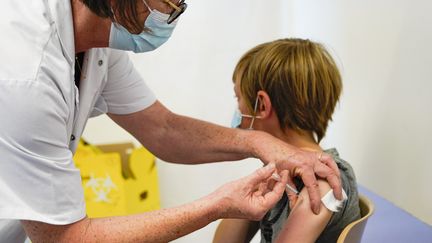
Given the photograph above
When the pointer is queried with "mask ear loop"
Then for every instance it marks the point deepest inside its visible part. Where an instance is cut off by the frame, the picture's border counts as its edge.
(114, 17)
(162, 17)
(148, 7)
(254, 115)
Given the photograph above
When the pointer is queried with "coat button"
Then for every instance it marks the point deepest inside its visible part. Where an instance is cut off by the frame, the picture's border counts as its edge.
(100, 62)
(72, 137)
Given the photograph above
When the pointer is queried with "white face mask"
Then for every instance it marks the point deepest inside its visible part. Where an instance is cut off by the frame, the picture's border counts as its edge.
(238, 116)
(160, 31)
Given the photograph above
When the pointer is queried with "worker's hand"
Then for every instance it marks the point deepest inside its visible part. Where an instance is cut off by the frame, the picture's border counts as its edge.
(252, 196)
(305, 164)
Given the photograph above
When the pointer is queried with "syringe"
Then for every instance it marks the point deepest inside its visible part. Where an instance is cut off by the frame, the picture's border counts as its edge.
(278, 178)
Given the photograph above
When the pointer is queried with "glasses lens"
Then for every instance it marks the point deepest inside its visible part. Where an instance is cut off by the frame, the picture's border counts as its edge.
(176, 13)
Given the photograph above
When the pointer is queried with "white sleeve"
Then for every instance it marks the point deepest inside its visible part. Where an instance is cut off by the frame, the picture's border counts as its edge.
(125, 91)
(38, 179)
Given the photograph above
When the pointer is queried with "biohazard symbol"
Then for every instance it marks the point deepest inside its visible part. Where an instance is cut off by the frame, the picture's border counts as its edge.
(101, 188)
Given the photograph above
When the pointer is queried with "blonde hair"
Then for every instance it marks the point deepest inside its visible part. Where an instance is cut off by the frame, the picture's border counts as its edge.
(301, 78)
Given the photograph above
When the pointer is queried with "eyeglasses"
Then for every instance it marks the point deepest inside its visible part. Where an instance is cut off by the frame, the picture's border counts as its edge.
(178, 10)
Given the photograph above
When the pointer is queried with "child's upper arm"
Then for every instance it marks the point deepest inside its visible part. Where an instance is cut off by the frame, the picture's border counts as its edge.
(302, 224)
(235, 230)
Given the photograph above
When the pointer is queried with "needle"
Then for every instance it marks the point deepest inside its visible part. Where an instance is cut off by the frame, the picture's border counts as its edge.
(277, 178)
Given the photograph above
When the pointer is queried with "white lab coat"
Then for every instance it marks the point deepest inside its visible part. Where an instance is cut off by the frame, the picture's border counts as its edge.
(42, 112)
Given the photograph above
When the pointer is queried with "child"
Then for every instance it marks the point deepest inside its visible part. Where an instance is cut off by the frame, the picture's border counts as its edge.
(289, 88)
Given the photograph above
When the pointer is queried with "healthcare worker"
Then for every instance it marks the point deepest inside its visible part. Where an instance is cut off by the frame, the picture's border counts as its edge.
(63, 61)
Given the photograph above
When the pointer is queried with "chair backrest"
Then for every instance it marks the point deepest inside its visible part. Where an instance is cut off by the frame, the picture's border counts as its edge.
(354, 231)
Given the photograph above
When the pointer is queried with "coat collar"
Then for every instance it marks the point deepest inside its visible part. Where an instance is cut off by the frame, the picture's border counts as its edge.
(61, 13)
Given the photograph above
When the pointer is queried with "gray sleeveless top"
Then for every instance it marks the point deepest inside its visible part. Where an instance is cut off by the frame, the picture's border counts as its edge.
(273, 221)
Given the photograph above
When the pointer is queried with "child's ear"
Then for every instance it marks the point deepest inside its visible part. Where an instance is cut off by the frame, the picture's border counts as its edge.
(264, 105)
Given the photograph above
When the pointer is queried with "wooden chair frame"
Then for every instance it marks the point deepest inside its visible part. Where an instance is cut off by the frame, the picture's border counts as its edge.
(354, 231)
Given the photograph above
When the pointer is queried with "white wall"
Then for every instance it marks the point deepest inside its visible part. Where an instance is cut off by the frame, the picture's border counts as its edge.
(382, 125)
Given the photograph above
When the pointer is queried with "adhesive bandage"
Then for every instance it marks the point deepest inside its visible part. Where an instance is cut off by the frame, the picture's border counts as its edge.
(331, 202)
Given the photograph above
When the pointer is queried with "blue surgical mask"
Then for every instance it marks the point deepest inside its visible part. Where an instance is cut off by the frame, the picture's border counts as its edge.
(159, 33)
(238, 116)
(236, 119)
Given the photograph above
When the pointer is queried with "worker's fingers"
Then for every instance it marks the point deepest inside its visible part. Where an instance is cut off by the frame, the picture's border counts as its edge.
(292, 195)
(311, 184)
(332, 175)
(275, 192)
(328, 160)
(261, 174)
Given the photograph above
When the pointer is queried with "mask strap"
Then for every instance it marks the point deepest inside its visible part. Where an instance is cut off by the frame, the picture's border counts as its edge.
(148, 7)
(114, 17)
(254, 115)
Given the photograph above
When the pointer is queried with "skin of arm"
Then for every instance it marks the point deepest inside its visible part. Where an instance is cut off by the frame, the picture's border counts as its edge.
(159, 226)
(302, 224)
(235, 231)
(181, 139)
(244, 199)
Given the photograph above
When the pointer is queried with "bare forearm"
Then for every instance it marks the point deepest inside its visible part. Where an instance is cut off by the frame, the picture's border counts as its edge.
(243, 199)
(158, 226)
(195, 141)
(181, 139)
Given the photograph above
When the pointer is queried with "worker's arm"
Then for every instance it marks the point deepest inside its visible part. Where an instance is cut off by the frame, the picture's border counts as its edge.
(302, 224)
(181, 139)
(244, 199)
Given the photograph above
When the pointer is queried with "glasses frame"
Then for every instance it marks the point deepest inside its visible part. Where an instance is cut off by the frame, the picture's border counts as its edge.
(178, 10)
